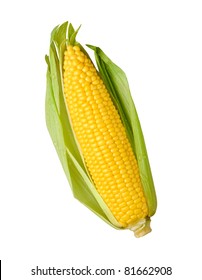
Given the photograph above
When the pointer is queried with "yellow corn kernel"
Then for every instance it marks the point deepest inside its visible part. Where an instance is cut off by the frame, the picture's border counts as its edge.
(108, 156)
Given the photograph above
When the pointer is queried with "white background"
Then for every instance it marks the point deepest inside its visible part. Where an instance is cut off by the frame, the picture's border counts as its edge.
(159, 46)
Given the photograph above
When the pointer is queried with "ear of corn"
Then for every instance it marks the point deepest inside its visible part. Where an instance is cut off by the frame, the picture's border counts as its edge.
(90, 144)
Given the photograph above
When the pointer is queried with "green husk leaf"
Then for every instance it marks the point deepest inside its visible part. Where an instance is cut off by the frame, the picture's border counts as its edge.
(53, 122)
(72, 39)
(62, 134)
(71, 31)
(117, 85)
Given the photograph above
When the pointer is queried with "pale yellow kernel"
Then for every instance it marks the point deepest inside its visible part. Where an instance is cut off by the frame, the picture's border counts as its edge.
(74, 63)
(130, 212)
(139, 205)
(124, 209)
(74, 78)
(143, 200)
(65, 64)
(87, 88)
(106, 136)
(116, 158)
(133, 217)
(93, 77)
(95, 92)
(105, 117)
(93, 86)
(76, 48)
(73, 56)
(137, 211)
(127, 180)
(89, 73)
(144, 213)
(85, 69)
(122, 204)
(119, 200)
(98, 100)
(100, 86)
(125, 218)
(84, 83)
(113, 168)
(133, 206)
(126, 195)
(96, 82)
(130, 172)
(141, 194)
(130, 202)
(123, 174)
(69, 48)
(81, 58)
(129, 185)
(129, 221)
(101, 143)
(79, 66)
(88, 79)
(137, 200)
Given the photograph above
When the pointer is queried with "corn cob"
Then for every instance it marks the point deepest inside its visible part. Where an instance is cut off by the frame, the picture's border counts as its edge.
(104, 144)
(103, 140)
